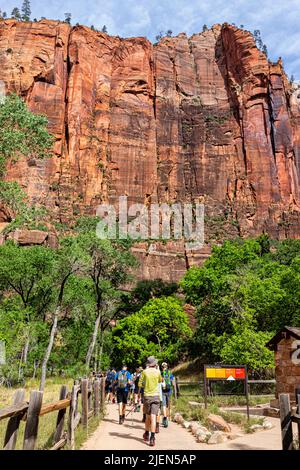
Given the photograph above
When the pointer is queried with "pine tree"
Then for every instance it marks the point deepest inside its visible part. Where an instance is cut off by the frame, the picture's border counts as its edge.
(68, 18)
(159, 36)
(292, 79)
(104, 29)
(169, 33)
(4, 15)
(26, 10)
(258, 40)
(265, 50)
(16, 14)
(205, 28)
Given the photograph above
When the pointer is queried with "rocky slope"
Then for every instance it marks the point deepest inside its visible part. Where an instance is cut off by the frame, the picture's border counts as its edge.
(204, 118)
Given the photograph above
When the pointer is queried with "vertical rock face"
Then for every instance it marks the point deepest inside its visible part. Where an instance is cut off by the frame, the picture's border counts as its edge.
(200, 119)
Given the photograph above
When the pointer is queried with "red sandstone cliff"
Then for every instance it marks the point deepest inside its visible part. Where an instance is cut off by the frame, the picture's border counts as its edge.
(204, 118)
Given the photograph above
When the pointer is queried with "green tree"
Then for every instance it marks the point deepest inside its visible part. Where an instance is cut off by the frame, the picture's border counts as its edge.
(244, 345)
(104, 29)
(159, 328)
(108, 270)
(26, 10)
(68, 18)
(25, 274)
(16, 14)
(21, 132)
(69, 260)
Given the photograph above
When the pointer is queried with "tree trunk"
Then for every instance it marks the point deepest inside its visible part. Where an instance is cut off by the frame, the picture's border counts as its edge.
(35, 366)
(24, 355)
(92, 343)
(49, 349)
(96, 357)
(100, 351)
(26, 349)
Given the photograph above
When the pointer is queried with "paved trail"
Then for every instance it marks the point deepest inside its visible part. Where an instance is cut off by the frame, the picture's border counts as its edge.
(110, 435)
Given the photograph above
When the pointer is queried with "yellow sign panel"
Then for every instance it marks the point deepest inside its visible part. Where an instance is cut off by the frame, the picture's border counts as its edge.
(215, 373)
(210, 373)
(220, 373)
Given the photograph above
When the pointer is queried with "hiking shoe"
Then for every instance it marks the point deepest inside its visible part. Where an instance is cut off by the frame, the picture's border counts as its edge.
(146, 436)
(165, 422)
(152, 442)
(157, 428)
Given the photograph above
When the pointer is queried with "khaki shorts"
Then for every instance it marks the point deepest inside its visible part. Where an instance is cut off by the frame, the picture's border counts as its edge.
(151, 405)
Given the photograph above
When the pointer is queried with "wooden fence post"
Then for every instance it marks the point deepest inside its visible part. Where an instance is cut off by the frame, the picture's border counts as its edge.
(32, 421)
(72, 416)
(96, 397)
(298, 411)
(102, 394)
(177, 387)
(286, 422)
(84, 401)
(14, 422)
(90, 396)
(60, 417)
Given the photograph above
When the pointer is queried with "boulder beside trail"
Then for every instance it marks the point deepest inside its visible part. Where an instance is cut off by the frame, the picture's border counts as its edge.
(218, 423)
(217, 437)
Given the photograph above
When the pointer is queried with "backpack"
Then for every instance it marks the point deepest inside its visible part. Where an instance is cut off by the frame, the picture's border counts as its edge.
(122, 379)
(110, 377)
(167, 381)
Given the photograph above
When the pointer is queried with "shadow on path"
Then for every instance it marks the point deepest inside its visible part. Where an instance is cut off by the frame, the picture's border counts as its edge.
(127, 436)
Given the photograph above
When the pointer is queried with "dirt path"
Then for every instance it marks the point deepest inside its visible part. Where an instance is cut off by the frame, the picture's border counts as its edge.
(112, 436)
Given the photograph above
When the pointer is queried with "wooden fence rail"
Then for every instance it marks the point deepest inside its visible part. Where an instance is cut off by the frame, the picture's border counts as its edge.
(287, 418)
(92, 402)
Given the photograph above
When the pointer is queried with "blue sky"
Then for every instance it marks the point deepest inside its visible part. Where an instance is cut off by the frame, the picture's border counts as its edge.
(278, 20)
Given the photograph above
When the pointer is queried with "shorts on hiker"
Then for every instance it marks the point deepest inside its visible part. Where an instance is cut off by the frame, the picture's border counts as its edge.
(108, 388)
(151, 405)
(122, 396)
(136, 390)
(166, 399)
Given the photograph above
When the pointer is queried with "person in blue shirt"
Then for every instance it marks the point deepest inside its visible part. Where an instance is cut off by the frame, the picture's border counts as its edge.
(109, 385)
(168, 383)
(123, 382)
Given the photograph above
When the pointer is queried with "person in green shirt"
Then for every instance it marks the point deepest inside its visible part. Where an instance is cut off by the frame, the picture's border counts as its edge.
(149, 380)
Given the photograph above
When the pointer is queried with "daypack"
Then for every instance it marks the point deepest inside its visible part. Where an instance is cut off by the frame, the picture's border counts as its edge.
(110, 377)
(167, 381)
(122, 379)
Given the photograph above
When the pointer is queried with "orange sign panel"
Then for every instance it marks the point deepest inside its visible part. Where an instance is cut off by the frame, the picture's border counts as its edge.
(230, 373)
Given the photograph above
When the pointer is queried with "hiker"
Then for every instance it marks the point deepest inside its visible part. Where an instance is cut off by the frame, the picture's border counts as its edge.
(109, 385)
(123, 382)
(168, 382)
(160, 404)
(149, 379)
(136, 390)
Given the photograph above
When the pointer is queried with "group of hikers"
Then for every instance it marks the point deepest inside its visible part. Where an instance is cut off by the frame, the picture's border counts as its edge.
(150, 388)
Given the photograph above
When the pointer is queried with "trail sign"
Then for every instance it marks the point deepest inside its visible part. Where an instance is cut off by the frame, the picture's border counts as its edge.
(225, 373)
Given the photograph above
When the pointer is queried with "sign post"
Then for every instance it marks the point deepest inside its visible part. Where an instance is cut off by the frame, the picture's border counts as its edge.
(226, 373)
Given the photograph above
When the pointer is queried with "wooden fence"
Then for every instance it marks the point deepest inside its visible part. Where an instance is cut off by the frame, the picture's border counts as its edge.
(287, 418)
(92, 393)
